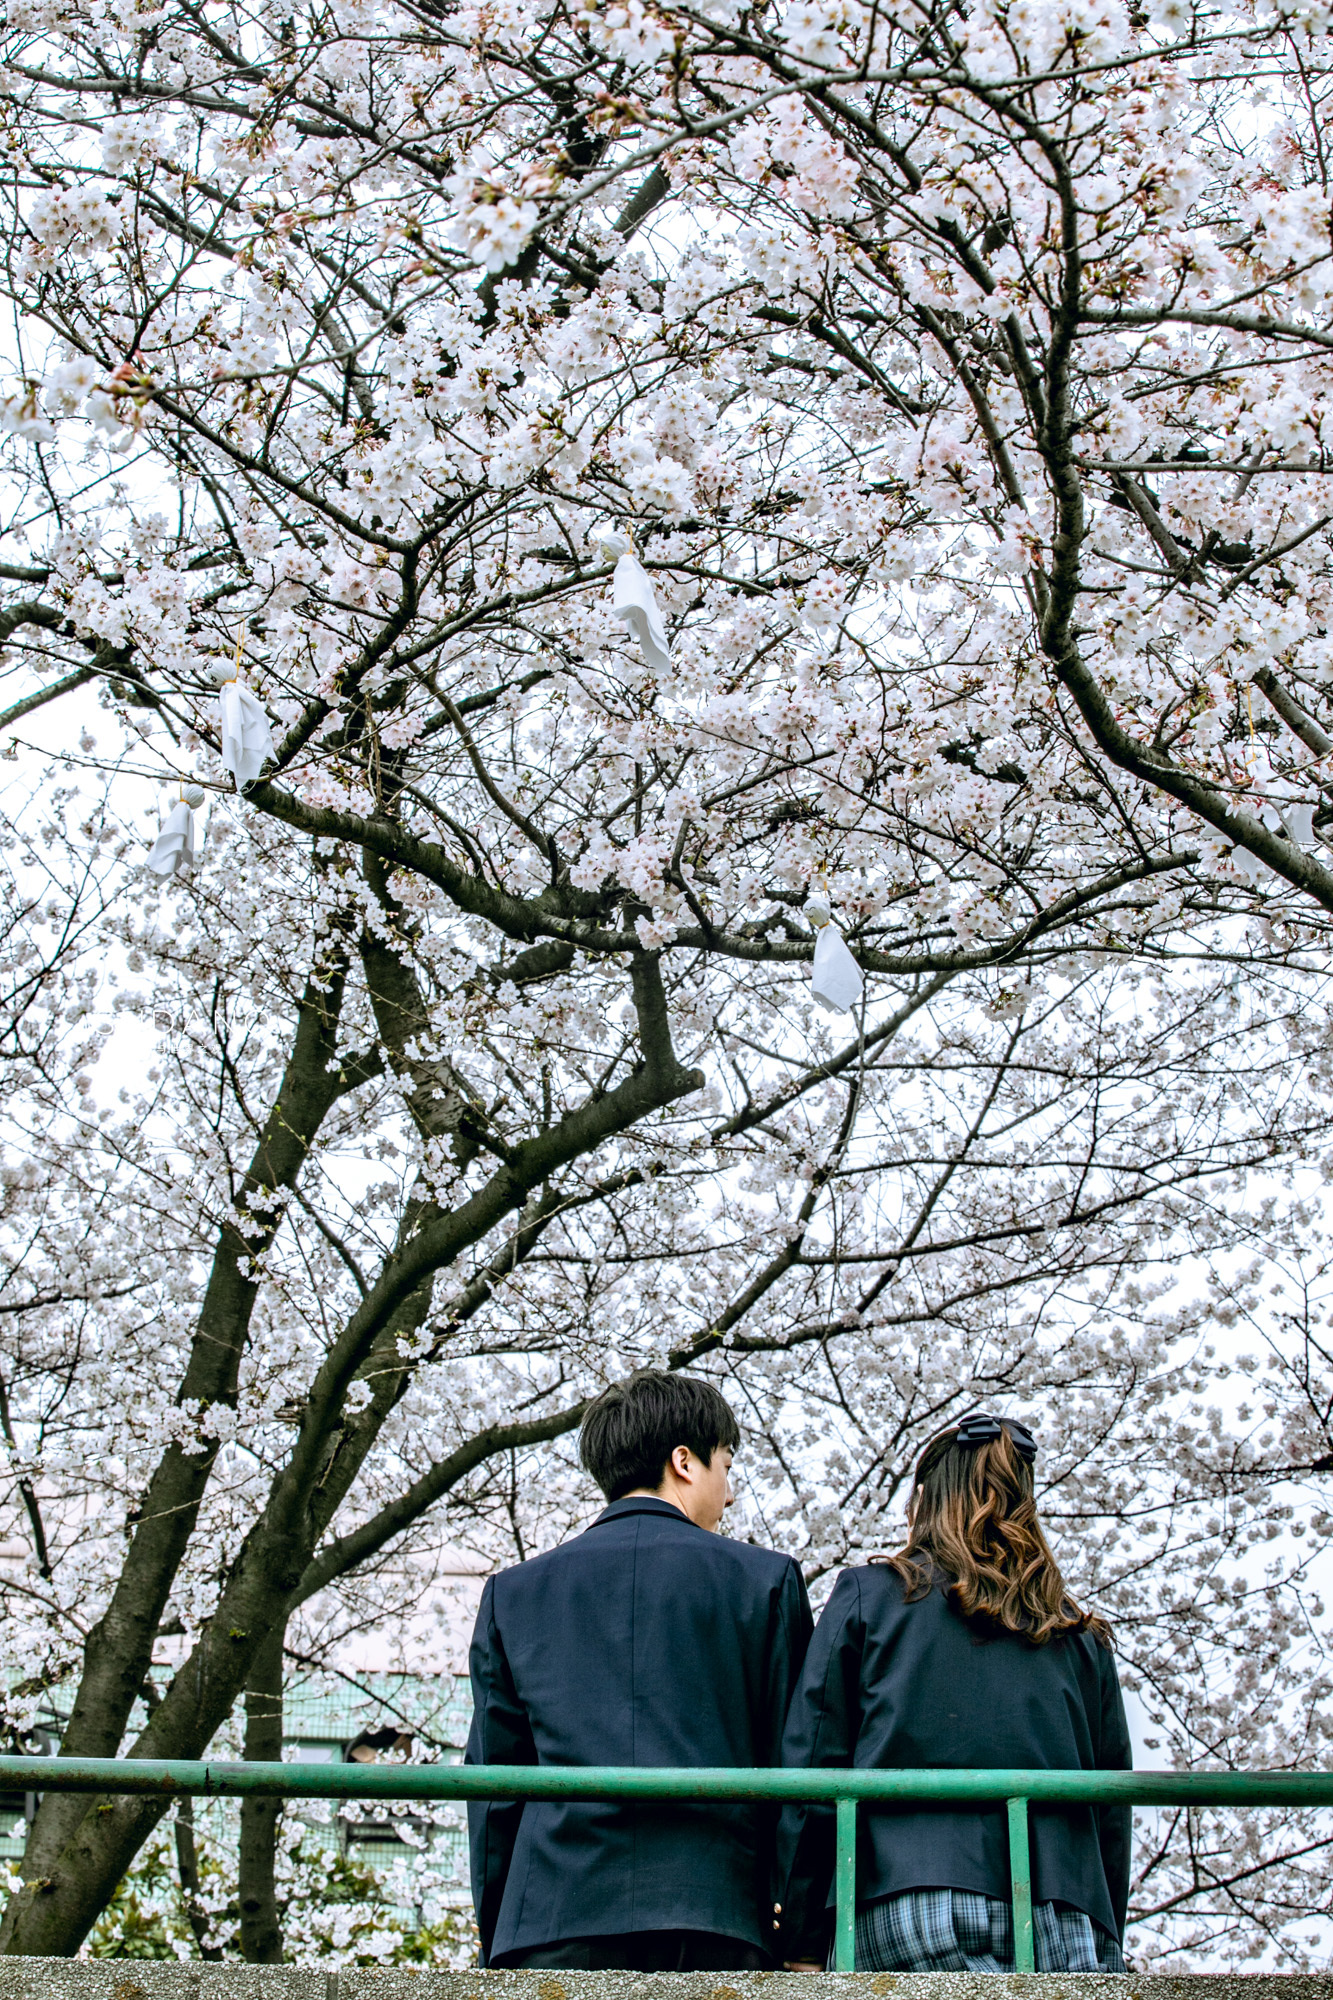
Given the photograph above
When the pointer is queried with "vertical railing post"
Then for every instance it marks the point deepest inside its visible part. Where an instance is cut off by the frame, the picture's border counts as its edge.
(844, 1931)
(1020, 1876)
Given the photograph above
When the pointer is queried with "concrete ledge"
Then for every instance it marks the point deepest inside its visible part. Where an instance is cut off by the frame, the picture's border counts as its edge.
(148, 1979)
(153, 1979)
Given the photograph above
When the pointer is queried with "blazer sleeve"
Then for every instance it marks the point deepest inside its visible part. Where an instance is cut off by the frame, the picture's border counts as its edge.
(500, 1734)
(822, 1729)
(791, 1641)
(1115, 1824)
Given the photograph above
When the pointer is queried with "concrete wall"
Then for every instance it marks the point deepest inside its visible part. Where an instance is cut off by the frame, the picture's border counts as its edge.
(130, 1979)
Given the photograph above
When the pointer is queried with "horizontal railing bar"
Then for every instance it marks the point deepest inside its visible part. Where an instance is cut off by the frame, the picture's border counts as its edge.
(122, 1775)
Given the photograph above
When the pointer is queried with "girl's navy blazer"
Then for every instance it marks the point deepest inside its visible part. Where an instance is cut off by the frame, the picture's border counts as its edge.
(644, 1640)
(891, 1685)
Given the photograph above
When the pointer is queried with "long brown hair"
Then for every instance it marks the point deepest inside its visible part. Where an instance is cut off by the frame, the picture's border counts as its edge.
(972, 1521)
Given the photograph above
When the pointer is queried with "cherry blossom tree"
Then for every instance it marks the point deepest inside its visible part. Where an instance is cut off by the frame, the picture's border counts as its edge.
(956, 378)
(1009, 1181)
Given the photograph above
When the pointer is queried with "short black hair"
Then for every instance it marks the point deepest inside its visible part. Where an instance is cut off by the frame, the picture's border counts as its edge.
(631, 1429)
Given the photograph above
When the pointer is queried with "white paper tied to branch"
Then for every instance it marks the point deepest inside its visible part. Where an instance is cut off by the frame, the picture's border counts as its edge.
(1283, 814)
(1285, 811)
(835, 977)
(247, 740)
(1299, 822)
(632, 598)
(172, 853)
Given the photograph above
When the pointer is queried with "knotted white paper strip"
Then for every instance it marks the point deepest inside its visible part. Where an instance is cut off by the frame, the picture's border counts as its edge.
(835, 977)
(172, 852)
(247, 739)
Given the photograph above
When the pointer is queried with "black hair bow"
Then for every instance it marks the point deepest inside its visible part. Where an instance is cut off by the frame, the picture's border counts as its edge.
(984, 1429)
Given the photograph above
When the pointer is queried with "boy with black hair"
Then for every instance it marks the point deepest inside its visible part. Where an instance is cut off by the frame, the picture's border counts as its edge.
(650, 1640)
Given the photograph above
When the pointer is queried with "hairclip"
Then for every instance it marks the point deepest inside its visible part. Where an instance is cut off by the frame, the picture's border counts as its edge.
(984, 1429)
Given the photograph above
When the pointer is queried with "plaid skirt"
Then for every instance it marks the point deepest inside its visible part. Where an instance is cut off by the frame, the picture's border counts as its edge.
(956, 1930)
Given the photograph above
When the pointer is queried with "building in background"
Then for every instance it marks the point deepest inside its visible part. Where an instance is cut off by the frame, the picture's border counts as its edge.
(332, 1718)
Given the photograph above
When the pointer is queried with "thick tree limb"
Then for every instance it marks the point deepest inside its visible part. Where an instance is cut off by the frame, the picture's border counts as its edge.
(62, 1901)
(41, 696)
(119, 1647)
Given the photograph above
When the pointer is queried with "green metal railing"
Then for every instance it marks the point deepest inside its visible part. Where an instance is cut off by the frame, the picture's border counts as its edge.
(845, 1790)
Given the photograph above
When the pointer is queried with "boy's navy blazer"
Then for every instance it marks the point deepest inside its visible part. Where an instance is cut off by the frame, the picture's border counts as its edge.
(645, 1640)
(889, 1685)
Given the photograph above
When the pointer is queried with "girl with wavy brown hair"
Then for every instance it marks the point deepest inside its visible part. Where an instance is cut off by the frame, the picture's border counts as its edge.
(962, 1649)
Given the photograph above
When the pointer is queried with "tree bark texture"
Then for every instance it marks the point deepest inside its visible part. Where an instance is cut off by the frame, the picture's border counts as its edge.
(187, 1873)
(261, 1924)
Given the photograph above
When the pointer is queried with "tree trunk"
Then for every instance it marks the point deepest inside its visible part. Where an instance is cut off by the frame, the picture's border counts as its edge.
(119, 1647)
(52, 1914)
(187, 1870)
(261, 1926)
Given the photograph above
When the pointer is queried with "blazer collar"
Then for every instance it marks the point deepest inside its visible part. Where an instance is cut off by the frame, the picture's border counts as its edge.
(643, 1503)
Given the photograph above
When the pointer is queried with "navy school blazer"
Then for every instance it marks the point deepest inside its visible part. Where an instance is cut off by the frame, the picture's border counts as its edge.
(645, 1640)
(889, 1685)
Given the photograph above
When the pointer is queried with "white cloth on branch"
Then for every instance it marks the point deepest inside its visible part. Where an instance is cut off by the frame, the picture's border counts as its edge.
(247, 740)
(835, 977)
(632, 599)
(632, 596)
(1285, 812)
(172, 852)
